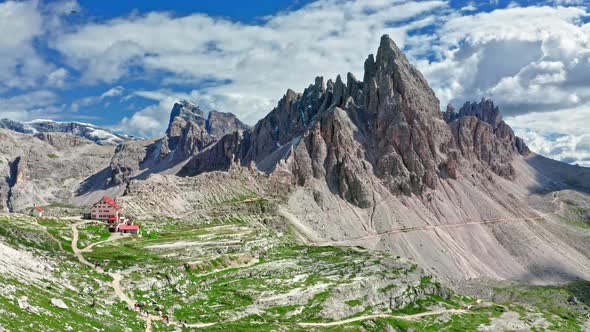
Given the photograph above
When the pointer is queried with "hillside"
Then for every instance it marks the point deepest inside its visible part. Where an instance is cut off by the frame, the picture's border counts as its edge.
(375, 163)
(243, 269)
(353, 205)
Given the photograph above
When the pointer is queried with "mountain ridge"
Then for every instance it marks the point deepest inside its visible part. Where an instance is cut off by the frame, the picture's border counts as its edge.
(99, 135)
(370, 163)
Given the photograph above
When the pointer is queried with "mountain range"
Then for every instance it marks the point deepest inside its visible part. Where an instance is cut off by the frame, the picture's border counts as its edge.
(91, 132)
(371, 162)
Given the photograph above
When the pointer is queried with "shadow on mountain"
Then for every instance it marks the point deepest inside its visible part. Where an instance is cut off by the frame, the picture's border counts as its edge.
(549, 274)
(553, 175)
(98, 181)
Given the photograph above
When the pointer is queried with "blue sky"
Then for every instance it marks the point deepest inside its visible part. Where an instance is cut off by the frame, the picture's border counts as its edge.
(123, 64)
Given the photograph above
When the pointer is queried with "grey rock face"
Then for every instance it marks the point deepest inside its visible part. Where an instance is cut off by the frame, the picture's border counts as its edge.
(481, 134)
(386, 130)
(190, 132)
(220, 124)
(46, 168)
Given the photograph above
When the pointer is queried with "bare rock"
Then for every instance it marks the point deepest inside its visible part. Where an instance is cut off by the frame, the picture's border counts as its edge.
(59, 303)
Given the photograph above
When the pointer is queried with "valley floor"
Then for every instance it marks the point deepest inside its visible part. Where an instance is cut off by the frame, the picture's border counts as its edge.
(240, 273)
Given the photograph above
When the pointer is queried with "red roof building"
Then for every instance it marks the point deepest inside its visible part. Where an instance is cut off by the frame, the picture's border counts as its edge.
(106, 209)
(129, 227)
(37, 211)
(111, 202)
(133, 229)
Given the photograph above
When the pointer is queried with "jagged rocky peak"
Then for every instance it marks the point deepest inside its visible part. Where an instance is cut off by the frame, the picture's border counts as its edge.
(190, 131)
(485, 110)
(489, 113)
(220, 124)
(386, 131)
(393, 76)
(186, 111)
(216, 124)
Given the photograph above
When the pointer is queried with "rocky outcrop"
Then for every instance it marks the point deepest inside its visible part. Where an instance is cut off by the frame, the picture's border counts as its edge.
(62, 141)
(189, 134)
(186, 134)
(220, 124)
(127, 161)
(386, 130)
(481, 135)
(47, 168)
(189, 131)
(356, 137)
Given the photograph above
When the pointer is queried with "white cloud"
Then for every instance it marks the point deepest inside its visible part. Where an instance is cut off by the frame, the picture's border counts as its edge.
(113, 92)
(30, 105)
(22, 24)
(560, 135)
(57, 77)
(526, 59)
(152, 120)
(532, 61)
(255, 63)
(20, 65)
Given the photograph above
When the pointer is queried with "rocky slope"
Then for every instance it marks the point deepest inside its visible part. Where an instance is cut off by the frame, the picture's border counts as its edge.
(189, 132)
(375, 163)
(91, 132)
(372, 163)
(46, 168)
(386, 130)
(74, 163)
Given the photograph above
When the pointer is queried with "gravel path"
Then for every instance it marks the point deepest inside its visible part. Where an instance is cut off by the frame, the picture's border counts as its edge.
(434, 227)
(404, 317)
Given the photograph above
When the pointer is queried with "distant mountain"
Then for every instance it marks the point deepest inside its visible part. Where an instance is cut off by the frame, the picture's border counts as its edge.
(94, 133)
(190, 131)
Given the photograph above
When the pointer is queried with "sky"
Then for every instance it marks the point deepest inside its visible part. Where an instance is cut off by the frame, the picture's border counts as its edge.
(123, 64)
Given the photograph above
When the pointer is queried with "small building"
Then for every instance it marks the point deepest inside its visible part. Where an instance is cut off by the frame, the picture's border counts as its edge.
(131, 229)
(107, 210)
(37, 211)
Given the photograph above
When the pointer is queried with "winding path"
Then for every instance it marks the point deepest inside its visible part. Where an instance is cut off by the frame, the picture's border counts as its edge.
(403, 317)
(432, 227)
(118, 289)
(116, 283)
(117, 277)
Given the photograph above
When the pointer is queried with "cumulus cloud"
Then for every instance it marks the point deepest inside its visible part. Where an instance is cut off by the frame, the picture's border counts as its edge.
(112, 92)
(525, 58)
(152, 120)
(20, 65)
(561, 135)
(249, 65)
(30, 105)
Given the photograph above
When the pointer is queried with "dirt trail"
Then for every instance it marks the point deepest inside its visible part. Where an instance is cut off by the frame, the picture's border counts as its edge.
(116, 283)
(113, 237)
(117, 277)
(118, 289)
(78, 252)
(404, 317)
(541, 216)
